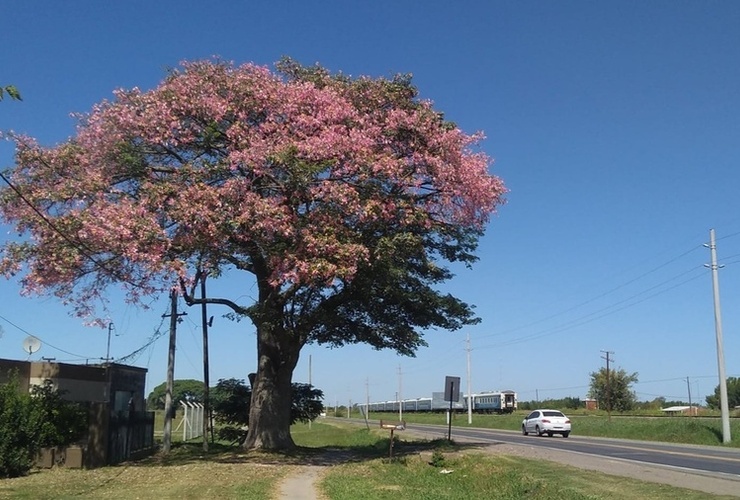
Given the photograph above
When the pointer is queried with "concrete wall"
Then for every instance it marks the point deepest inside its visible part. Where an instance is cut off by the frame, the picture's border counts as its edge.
(105, 388)
(20, 369)
(75, 382)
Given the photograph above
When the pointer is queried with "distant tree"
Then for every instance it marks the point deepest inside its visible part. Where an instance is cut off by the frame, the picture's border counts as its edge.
(621, 397)
(733, 394)
(183, 390)
(668, 404)
(570, 402)
(306, 403)
(11, 91)
(527, 405)
(231, 398)
(660, 402)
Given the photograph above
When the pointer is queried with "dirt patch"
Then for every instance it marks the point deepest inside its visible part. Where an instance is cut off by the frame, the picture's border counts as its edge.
(301, 485)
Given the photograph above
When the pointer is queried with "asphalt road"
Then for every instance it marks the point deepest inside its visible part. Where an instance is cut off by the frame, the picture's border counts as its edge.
(703, 460)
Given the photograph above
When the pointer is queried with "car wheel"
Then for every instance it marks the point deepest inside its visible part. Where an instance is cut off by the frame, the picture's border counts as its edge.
(537, 430)
(549, 434)
(566, 434)
(524, 431)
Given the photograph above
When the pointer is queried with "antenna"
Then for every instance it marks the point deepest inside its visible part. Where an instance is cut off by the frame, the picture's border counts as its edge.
(31, 344)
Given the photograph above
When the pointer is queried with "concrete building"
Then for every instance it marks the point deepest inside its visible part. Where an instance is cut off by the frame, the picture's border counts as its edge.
(119, 426)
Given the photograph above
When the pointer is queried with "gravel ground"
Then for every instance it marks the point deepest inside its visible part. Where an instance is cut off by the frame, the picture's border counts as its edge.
(302, 484)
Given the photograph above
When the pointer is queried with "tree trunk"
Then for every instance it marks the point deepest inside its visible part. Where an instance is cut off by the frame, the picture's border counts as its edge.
(269, 413)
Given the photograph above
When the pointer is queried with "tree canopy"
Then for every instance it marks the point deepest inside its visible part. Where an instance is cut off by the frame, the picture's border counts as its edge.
(615, 392)
(11, 92)
(733, 394)
(342, 199)
(182, 390)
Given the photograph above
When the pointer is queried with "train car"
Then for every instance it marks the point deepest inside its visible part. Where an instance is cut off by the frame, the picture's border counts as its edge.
(494, 402)
(378, 406)
(418, 404)
(391, 406)
(484, 402)
(439, 403)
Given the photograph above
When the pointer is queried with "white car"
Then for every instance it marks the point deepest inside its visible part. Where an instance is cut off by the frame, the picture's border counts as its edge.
(546, 422)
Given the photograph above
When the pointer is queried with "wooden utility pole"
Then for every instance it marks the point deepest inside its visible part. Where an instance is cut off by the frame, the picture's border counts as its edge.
(688, 386)
(174, 316)
(204, 320)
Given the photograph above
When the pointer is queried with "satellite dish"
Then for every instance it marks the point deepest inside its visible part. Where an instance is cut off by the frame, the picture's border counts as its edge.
(31, 344)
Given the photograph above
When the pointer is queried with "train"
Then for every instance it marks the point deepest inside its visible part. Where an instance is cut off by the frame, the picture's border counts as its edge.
(484, 402)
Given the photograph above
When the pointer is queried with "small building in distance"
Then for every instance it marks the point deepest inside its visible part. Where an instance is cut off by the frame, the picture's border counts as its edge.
(681, 410)
(591, 404)
(119, 426)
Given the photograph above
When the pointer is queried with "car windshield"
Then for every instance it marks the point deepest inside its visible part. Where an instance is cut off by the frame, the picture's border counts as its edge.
(552, 414)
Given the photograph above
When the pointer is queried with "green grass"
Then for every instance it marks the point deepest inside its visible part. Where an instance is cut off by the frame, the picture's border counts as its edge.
(360, 468)
(184, 474)
(482, 476)
(683, 429)
(460, 472)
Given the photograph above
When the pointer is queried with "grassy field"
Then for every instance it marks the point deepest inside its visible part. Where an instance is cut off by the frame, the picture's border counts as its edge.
(439, 470)
(682, 429)
(420, 469)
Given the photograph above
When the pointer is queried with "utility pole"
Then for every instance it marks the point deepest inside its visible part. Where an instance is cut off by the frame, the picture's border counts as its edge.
(723, 403)
(470, 395)
(608, 386)
(206, 324)
(400, 403)
(174, 316)
(688, 386)
(367, 402)
(107, 351)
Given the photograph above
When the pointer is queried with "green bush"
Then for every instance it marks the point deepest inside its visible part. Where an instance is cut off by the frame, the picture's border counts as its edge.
(29, 422)
(16, 437)
(60, 422)
(438, 459)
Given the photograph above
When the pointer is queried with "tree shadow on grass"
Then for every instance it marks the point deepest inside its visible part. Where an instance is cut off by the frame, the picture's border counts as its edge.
(325, 456)
(713, 430)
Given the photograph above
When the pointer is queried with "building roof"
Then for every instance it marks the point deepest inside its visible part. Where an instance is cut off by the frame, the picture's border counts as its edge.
(675, 408)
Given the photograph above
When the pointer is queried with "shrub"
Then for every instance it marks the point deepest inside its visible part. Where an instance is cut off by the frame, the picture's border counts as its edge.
(231, 399)
(17, 441)
(29, 422)
(438, 459)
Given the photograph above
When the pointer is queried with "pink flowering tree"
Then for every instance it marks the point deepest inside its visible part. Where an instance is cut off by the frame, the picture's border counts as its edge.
(342, 199)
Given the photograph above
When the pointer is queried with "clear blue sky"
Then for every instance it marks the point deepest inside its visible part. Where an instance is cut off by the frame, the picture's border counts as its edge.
(616, 127)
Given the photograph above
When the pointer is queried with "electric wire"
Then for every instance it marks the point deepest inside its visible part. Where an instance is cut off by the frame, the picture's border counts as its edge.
(607, 311)
(78, 356)
(593, 299)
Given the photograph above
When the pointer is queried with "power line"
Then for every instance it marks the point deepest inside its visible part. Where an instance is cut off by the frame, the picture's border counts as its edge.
(158, 333)
(81, 248)
(601, 295)
(45, 342)
(607, 311)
